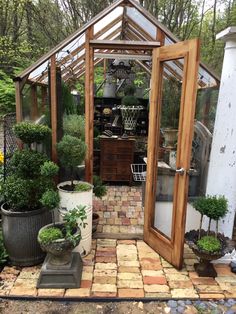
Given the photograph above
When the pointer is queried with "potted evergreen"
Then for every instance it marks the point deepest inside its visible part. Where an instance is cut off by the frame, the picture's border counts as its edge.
(130, 108)
(209, 245)
(71, 153)
(29, 193)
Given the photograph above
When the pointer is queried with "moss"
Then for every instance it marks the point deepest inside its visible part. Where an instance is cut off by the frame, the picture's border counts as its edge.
(209, 244)
(50, 234)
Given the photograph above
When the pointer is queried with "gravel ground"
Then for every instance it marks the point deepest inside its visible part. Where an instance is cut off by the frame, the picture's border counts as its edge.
(186, 307)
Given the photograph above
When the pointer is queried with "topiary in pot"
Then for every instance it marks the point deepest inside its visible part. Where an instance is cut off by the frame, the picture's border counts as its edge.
(71, 153)
(209, 245)
(26, 208)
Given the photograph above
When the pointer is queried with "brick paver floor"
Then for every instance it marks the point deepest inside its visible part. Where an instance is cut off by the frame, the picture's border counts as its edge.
(127, 268)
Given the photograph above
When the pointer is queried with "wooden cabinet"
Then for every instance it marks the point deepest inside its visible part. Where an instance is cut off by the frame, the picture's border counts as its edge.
(116, 157)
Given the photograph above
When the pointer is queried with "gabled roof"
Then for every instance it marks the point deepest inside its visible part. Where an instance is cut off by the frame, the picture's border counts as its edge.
(123, 19)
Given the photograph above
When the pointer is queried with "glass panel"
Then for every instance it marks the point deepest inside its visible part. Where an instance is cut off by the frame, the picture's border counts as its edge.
(170, 108)
(108, 19)
(112, 29)
(139, 19)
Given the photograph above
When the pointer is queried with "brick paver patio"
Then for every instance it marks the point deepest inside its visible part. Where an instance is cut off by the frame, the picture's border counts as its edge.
(127, 269)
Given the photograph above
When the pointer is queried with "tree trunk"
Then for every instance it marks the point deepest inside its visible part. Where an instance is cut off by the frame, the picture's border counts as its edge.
(200, 227)
(209, 226)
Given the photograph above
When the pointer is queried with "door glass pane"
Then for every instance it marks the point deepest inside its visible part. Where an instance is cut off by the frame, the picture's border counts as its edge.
(168, 135)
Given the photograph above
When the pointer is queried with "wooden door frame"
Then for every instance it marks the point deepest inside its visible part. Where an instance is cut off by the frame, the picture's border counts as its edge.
(171, 249)
(90, 46)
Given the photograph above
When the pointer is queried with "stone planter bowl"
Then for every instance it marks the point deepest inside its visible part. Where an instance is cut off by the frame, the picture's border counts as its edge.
(59, 250)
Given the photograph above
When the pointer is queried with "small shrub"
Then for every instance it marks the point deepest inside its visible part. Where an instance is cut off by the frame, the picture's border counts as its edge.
(212, 206)
(99, 188)
(74, 125)
(50, 199)
(26, 163)
(209, 244)
(49, 169)
(49, 235)
(82, 187)
(71, 153)
(30, 132)
(129, 100)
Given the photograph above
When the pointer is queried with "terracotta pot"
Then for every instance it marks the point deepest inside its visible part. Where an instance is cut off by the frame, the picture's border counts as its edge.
(95, 222)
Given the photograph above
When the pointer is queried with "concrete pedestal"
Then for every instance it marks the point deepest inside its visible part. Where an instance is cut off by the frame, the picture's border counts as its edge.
(63, 277)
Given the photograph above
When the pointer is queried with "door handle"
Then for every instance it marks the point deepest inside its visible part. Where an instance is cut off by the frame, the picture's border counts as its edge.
(180, 171)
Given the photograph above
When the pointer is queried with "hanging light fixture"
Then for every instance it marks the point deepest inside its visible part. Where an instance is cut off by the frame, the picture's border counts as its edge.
(121, 68)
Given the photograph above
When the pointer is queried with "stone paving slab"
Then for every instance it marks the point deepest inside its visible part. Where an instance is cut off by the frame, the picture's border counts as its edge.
(126, 269)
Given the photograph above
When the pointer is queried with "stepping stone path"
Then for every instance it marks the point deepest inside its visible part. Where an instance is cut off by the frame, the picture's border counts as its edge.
(131, 269)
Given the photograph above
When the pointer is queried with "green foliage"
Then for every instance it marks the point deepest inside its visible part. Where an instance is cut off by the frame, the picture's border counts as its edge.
(129, 101)
(30, 183)
(71, 219)
(171, 103)
(49, 169)
(99, 188)
(129, 90)
(74, 125)
(30, 132)
(212, 206)
(82, 187)
(26, 163)
(71, 151)
(7, 94)
(49, 235)
(20, 194)
(209, 244)
(50, 199)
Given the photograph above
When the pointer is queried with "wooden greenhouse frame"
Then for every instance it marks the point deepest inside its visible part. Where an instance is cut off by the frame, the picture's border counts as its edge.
(129, 37)
(126, 30)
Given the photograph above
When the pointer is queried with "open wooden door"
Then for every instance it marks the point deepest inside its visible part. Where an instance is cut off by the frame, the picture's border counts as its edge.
(172, 104)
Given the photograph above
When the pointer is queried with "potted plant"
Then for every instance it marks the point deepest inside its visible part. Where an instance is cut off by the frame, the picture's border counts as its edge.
(62, 268)
(58, 239)
(129, 108)
(170, 111)
(71, 153)
(209, 245)
(29, 194)
(99, 190)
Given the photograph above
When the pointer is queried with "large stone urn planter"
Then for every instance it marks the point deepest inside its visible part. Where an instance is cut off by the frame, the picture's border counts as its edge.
(20, 231)
(204, 268)
(62, 268)
(71, 199)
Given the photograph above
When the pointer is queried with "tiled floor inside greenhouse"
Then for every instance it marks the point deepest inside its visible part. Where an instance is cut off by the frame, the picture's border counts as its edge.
(126, 269)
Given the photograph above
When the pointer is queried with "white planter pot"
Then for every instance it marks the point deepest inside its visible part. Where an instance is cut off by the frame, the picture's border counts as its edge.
(71, 199)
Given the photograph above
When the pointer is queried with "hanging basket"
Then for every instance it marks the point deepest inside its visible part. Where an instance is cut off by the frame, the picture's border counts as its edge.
(130, 116)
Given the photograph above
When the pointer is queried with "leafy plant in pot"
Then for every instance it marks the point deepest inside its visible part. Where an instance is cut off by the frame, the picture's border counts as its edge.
(99, 190)
(209, 245)
(60, 238)
(29, 193)
(71, 153)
